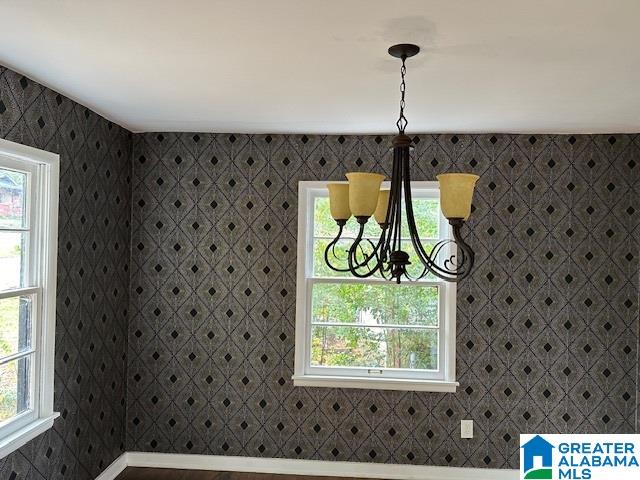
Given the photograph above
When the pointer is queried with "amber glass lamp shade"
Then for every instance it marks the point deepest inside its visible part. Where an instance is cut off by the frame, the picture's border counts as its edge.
(456, 193)
(339, 201)
(383, 205)
(363, 192)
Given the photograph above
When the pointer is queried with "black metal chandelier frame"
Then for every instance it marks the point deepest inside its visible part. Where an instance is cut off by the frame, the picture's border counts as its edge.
(386, 257)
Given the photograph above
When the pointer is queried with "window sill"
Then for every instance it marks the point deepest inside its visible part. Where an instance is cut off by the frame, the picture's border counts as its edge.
(17, 439)
(374, 383)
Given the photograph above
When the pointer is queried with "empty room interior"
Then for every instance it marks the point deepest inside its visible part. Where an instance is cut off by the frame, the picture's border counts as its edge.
(291, 240)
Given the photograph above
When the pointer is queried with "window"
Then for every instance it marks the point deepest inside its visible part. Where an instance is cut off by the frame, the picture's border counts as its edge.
(28, 253)
(371, 333)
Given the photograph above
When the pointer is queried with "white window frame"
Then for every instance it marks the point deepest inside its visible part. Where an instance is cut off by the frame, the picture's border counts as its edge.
(44, 174)
(382, 379)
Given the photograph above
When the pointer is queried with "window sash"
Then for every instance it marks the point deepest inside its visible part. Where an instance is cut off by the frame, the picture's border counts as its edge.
(437, 374)
(32, 187)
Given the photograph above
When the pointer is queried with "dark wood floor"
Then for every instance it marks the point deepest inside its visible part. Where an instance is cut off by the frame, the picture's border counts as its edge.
(167, 474)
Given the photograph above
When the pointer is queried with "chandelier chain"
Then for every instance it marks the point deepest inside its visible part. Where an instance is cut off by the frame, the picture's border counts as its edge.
(402, 121)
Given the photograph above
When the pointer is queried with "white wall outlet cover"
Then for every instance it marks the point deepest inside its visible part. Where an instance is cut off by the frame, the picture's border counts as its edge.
(466, 429)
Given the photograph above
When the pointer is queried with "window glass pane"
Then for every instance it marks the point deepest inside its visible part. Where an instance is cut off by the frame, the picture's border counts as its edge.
(13, 259)
(12, 198)
(374, 347)
(383, 304)
(15, 325)
(14, 388)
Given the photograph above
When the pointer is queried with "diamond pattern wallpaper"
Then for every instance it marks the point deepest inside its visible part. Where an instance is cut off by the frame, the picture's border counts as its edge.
(93, 280)
(547, 336)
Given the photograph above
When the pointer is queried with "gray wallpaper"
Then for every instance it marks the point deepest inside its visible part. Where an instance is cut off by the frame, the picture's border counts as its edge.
(93, 280)
(547, 324)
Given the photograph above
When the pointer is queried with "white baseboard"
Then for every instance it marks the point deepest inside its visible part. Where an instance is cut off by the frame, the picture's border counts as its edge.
(115, 469)
(308, 467)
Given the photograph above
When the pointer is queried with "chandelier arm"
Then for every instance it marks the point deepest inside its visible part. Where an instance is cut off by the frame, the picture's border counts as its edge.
(467, 251)
(397, 240)
(456, 261)
(381, 252)
(331, 247)
(393, 205)
(374, 250)
(367, 257)
(435, 251)
(380, 258)
(391, 215)
(382, 243)
(354, 266)
(425, 258)
(411, 278)
(383, 271)
(431, 266)
(444, 273)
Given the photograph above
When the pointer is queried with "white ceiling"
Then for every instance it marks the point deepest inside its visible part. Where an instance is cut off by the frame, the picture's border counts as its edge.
(320, 66)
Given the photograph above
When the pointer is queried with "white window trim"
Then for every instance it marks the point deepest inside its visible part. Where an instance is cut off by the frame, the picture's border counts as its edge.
(307, 376)
(29, 425)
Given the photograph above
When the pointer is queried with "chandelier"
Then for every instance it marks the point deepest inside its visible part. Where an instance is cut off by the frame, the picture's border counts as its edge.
(362, 198)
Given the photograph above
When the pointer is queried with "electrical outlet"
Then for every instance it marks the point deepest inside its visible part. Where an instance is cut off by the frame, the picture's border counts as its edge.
(466, 428)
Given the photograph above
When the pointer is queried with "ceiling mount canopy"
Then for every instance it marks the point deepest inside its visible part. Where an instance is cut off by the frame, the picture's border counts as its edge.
(362, 197)
(404, 50)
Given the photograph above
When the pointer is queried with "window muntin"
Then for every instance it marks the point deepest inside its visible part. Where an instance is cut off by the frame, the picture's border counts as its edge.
(28, 248)
(371, 328)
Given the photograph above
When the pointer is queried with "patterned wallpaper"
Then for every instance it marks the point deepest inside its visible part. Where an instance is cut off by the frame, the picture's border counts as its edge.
(93, 280)
(547, 324)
